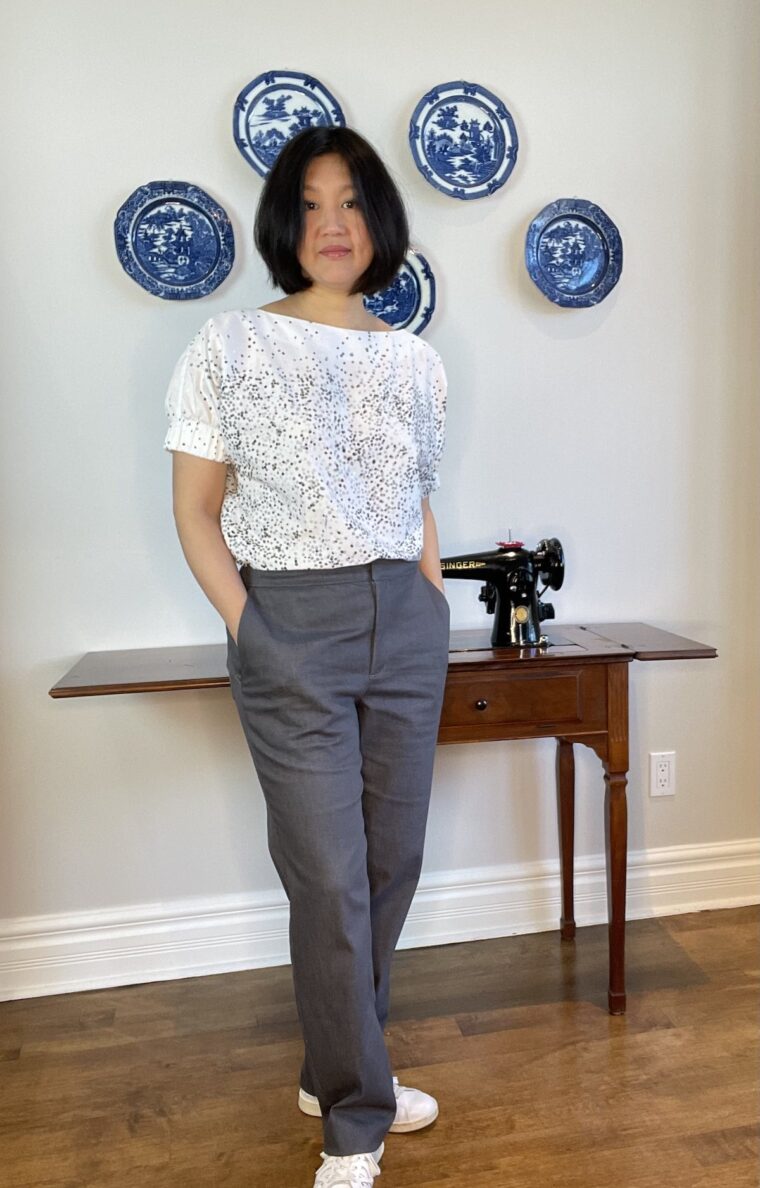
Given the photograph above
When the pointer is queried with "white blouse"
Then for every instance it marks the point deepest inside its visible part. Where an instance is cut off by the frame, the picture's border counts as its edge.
(331, 436)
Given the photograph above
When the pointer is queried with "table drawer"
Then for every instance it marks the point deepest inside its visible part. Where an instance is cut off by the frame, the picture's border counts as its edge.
(567, 697)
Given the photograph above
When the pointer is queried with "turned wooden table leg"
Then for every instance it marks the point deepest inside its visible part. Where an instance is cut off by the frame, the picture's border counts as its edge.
(616, 828)
(566, 816)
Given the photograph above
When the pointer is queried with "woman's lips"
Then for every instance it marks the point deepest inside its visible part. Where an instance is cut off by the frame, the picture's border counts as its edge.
(334, 252)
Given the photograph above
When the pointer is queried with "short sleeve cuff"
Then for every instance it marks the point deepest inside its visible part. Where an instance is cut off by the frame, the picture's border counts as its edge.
(429, 483)
(196, 437)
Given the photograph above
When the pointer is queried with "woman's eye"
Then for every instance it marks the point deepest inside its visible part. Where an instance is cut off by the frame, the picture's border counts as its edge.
(352, 201)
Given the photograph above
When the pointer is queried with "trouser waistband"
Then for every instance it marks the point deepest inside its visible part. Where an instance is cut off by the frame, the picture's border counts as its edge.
(380, 569)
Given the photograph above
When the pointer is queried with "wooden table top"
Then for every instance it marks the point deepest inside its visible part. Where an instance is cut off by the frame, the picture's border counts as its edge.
(204, 666)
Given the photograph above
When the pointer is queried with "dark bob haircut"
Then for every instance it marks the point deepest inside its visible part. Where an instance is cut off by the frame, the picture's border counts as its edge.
(279, 215)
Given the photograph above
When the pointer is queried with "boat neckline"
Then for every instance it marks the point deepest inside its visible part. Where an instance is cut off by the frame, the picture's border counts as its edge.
(327, 325)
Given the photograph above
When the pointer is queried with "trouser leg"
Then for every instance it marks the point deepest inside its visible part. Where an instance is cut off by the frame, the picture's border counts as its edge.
(399, 716)
(322, 862)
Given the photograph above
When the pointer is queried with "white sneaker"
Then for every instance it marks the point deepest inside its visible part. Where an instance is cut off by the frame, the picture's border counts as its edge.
(414, 1109)
(348, 1171)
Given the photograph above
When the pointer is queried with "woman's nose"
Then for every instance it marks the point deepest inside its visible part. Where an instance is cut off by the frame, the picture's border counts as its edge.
(335, 217)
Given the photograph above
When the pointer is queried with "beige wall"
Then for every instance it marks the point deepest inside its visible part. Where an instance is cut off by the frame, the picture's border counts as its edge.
(630, 430)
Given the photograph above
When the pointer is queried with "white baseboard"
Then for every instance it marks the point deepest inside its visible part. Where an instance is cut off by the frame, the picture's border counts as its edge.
(41, 955)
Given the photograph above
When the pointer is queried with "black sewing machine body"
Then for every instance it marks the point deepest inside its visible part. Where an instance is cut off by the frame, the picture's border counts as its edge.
(511, 574)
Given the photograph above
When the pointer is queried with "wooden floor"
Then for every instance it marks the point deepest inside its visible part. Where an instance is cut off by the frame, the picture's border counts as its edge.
(193, 1083)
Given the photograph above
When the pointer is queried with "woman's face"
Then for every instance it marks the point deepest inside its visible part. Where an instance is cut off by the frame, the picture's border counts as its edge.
(332, 219)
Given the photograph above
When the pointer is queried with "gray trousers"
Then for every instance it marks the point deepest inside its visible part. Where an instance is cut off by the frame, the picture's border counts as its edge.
(338, 678)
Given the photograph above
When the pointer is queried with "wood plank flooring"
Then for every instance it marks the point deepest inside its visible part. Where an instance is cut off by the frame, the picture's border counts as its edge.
(193, 1083)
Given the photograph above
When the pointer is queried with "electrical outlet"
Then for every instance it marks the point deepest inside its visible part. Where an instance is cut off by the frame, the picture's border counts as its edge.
(662, 773)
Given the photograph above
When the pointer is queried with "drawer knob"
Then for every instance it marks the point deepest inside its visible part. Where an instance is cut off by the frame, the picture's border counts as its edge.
(481, 704)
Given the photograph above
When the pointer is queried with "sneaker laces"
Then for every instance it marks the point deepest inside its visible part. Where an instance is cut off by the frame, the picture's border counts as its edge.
(346, 1171)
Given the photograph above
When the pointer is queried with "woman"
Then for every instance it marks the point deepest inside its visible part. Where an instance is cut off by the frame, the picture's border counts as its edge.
(306, 436)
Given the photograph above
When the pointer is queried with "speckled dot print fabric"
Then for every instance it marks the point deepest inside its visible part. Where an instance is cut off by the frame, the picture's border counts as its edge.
(331, 436)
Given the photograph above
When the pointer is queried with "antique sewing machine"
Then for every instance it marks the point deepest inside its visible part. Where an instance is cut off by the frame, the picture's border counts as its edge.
(511, 574)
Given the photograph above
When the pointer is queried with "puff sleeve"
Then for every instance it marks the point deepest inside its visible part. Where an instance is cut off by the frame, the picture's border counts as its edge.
(433, 427)
(192, 398)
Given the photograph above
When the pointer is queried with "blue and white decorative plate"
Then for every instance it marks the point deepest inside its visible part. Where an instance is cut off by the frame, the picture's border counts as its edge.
(463, 140)
(574, 252)
(272, 108)
(174, 240)
(409, 301)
